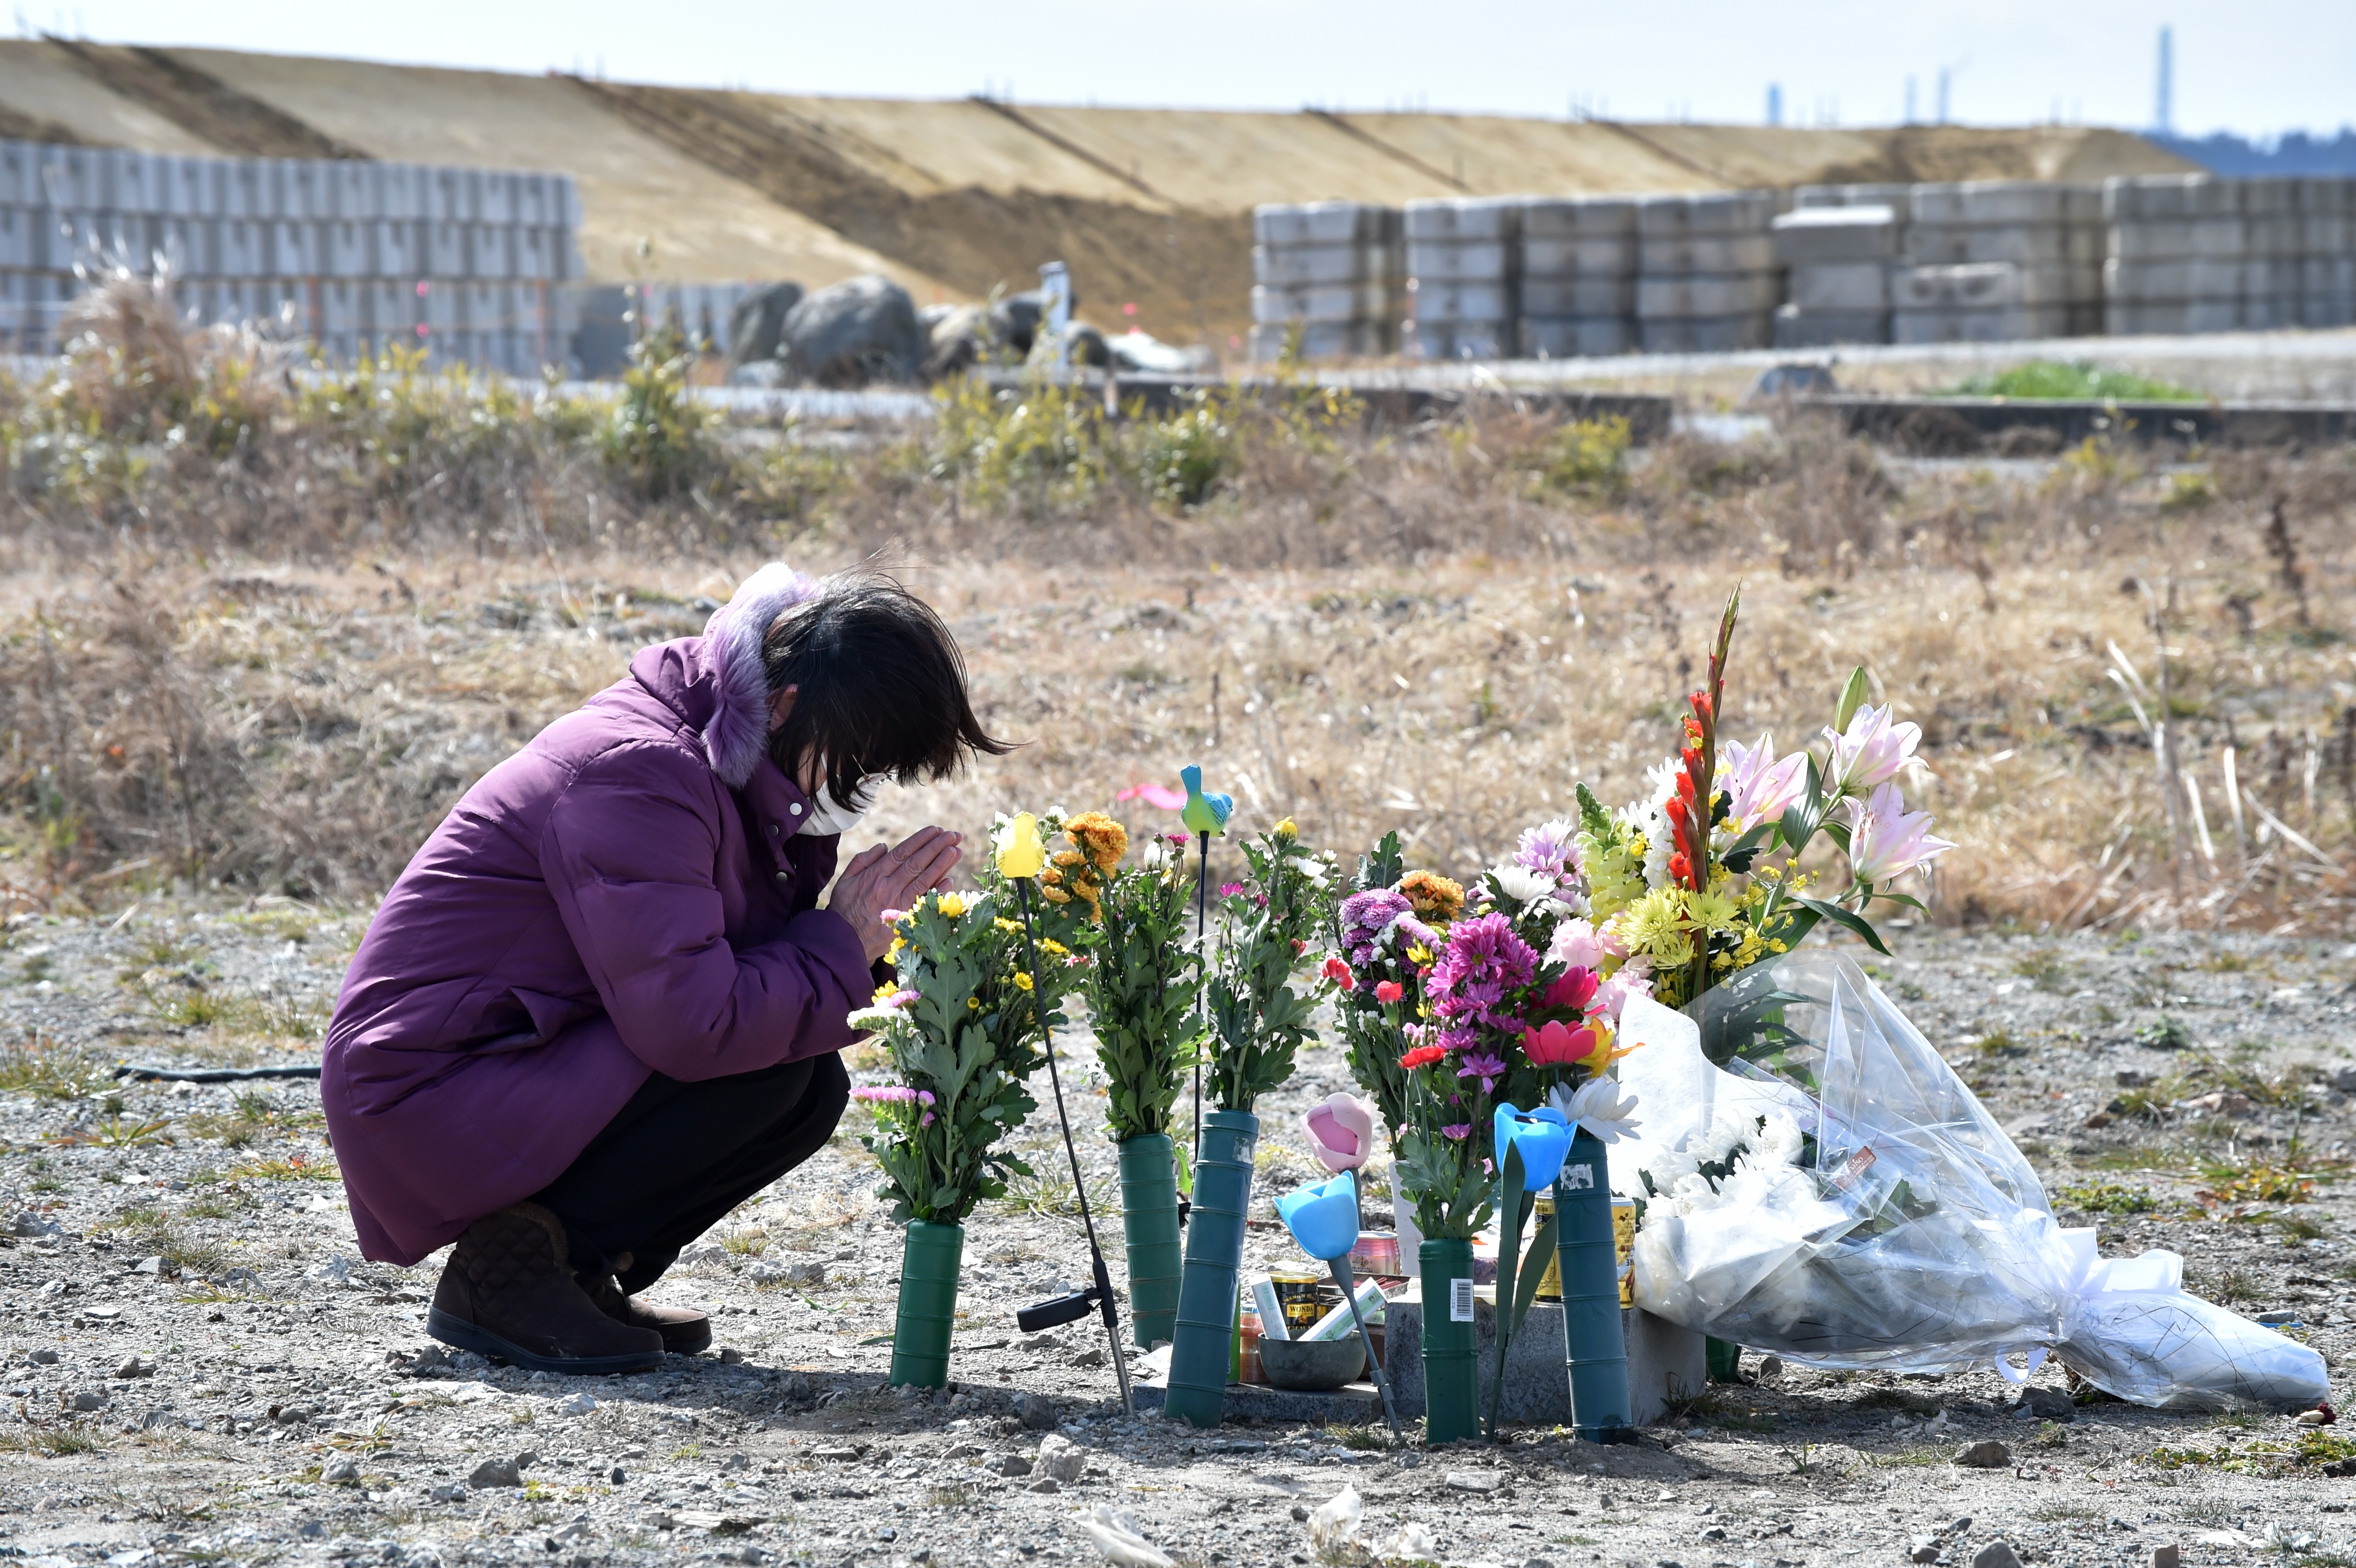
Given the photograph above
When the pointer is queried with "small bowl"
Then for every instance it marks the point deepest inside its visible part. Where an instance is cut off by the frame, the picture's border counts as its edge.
(1313, 1365)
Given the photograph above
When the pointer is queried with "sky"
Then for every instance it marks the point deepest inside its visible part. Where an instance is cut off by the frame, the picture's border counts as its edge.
(2254, 67)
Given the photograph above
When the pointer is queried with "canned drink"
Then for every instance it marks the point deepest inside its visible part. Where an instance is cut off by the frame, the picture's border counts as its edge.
(1296, 1297)
(1624, 1247)
(1551, 1282)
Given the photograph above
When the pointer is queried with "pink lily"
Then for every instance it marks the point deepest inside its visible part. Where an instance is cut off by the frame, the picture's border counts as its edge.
(1341, 1131)
(1886, 840)
(1757, 786)
(1871, 753)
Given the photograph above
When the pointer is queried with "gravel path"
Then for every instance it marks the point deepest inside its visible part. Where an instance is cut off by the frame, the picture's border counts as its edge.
(198, 1367)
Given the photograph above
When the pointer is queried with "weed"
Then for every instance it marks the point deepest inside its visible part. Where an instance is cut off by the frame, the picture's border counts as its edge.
(115, 1132)
(2232, 1284)
(1587, 458)
(2000, 1042)
(2043, 969)
(50, 1073)
(2108, 1198)
(1359, 1439)
(1918, 1455)
(2049, 1434)
(688, 1451)
(2300, 1227)
(2187, 492)
(1896, 1399)
(2164, 1033)
(749, 1242)
(2258, 1184)
(51, 1441)
(2078, 382)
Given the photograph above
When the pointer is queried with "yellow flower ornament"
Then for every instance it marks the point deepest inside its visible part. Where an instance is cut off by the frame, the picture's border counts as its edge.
(1020, 853)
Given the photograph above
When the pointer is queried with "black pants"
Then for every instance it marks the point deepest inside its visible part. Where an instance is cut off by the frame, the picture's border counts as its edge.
(680, 1156)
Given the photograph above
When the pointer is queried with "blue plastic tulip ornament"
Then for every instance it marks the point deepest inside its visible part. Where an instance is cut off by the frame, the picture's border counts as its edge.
(1324, 1219)
(1544, 1137)
(1203, 813)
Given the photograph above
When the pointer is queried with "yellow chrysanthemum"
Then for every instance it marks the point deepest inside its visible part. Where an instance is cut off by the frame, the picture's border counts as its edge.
(1049, 944)
(1285, 832)
(1432, 896)
(885, 992)
(1712, 911)
(953, 905)
(1103, 840)
(1021, 981)
(1654, 926)
(1002, 923)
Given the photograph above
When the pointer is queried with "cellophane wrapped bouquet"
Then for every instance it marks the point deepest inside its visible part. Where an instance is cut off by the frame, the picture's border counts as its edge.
(1814, 1179)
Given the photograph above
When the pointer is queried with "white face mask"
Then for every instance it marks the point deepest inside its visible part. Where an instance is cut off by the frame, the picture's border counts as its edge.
(828, 817)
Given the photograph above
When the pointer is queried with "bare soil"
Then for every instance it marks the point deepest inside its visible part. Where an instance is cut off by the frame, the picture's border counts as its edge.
(184, 1267)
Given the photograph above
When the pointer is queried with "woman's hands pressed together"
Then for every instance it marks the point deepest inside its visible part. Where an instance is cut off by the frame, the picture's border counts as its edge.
(879, 878)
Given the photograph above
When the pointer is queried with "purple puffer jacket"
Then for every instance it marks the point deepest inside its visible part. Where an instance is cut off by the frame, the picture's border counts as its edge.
(624, 896)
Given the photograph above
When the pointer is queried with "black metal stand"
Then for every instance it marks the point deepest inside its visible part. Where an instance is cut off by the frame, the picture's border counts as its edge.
(1105, 1305)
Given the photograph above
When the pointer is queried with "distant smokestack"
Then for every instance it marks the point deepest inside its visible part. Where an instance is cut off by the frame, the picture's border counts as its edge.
(2163, 118)
(1774, 103)
(1944, 76)
(1909, 100)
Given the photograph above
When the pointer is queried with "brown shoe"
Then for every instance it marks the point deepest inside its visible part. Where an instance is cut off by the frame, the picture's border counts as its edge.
(507, 1293)
(684, 1332)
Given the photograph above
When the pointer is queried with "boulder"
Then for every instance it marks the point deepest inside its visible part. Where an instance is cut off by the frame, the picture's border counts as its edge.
(758, 323)
(957, 339)
(1014, 319)
(853, 333)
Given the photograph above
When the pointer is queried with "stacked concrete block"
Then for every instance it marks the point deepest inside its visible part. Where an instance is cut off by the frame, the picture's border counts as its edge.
(1576, 276)
(1330, 270)
(340, 253)
(1992, 261)
(1706, 275)
(1836, 260)
(2177, 254)
(2327, 222)
(2272, 245)
(1463, 257)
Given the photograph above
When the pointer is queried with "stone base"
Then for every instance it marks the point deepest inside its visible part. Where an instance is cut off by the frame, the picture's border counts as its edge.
(1664, 1361)
(1352, 1404)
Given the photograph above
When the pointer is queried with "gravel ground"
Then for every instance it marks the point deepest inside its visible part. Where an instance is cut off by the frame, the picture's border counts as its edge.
(198, 1367)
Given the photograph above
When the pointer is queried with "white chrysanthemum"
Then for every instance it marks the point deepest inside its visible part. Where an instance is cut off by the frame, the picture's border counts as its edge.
(1781, 1140)
(1521, 884)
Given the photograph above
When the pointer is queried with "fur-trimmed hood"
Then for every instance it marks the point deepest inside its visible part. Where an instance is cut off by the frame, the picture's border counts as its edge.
(738, 732)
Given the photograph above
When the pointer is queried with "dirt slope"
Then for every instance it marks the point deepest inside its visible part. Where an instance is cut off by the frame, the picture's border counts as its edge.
(703, 226)
(47, 99)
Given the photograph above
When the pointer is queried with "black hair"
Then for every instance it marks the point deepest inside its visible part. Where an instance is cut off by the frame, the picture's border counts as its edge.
(882, 687)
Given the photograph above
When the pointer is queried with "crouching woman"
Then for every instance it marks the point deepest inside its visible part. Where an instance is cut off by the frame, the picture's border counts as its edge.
(603, 1005)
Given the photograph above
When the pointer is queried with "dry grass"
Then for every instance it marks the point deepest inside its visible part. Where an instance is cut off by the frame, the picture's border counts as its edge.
(278, 666)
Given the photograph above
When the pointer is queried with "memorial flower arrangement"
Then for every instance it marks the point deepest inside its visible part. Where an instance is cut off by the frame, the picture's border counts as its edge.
(1143, 985)
(1256, 1006)
(1701, 879)
(960, 1028)
(1144, 988)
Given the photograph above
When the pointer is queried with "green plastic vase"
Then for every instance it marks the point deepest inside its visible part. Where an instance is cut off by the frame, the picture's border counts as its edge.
(928, 1281)
(1149, 1228)
(1451, 1355)
(1594, 1343)
(1204, 1333)
(1725, 1360)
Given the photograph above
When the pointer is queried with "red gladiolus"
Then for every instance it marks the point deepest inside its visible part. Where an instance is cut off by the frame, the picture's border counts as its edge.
(1685, 791)
(1388, 991)
(1681, 869)
(1422, 1056)
(1678, 811)
(1339, 973)
(1691, 757)
(1700, 700)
